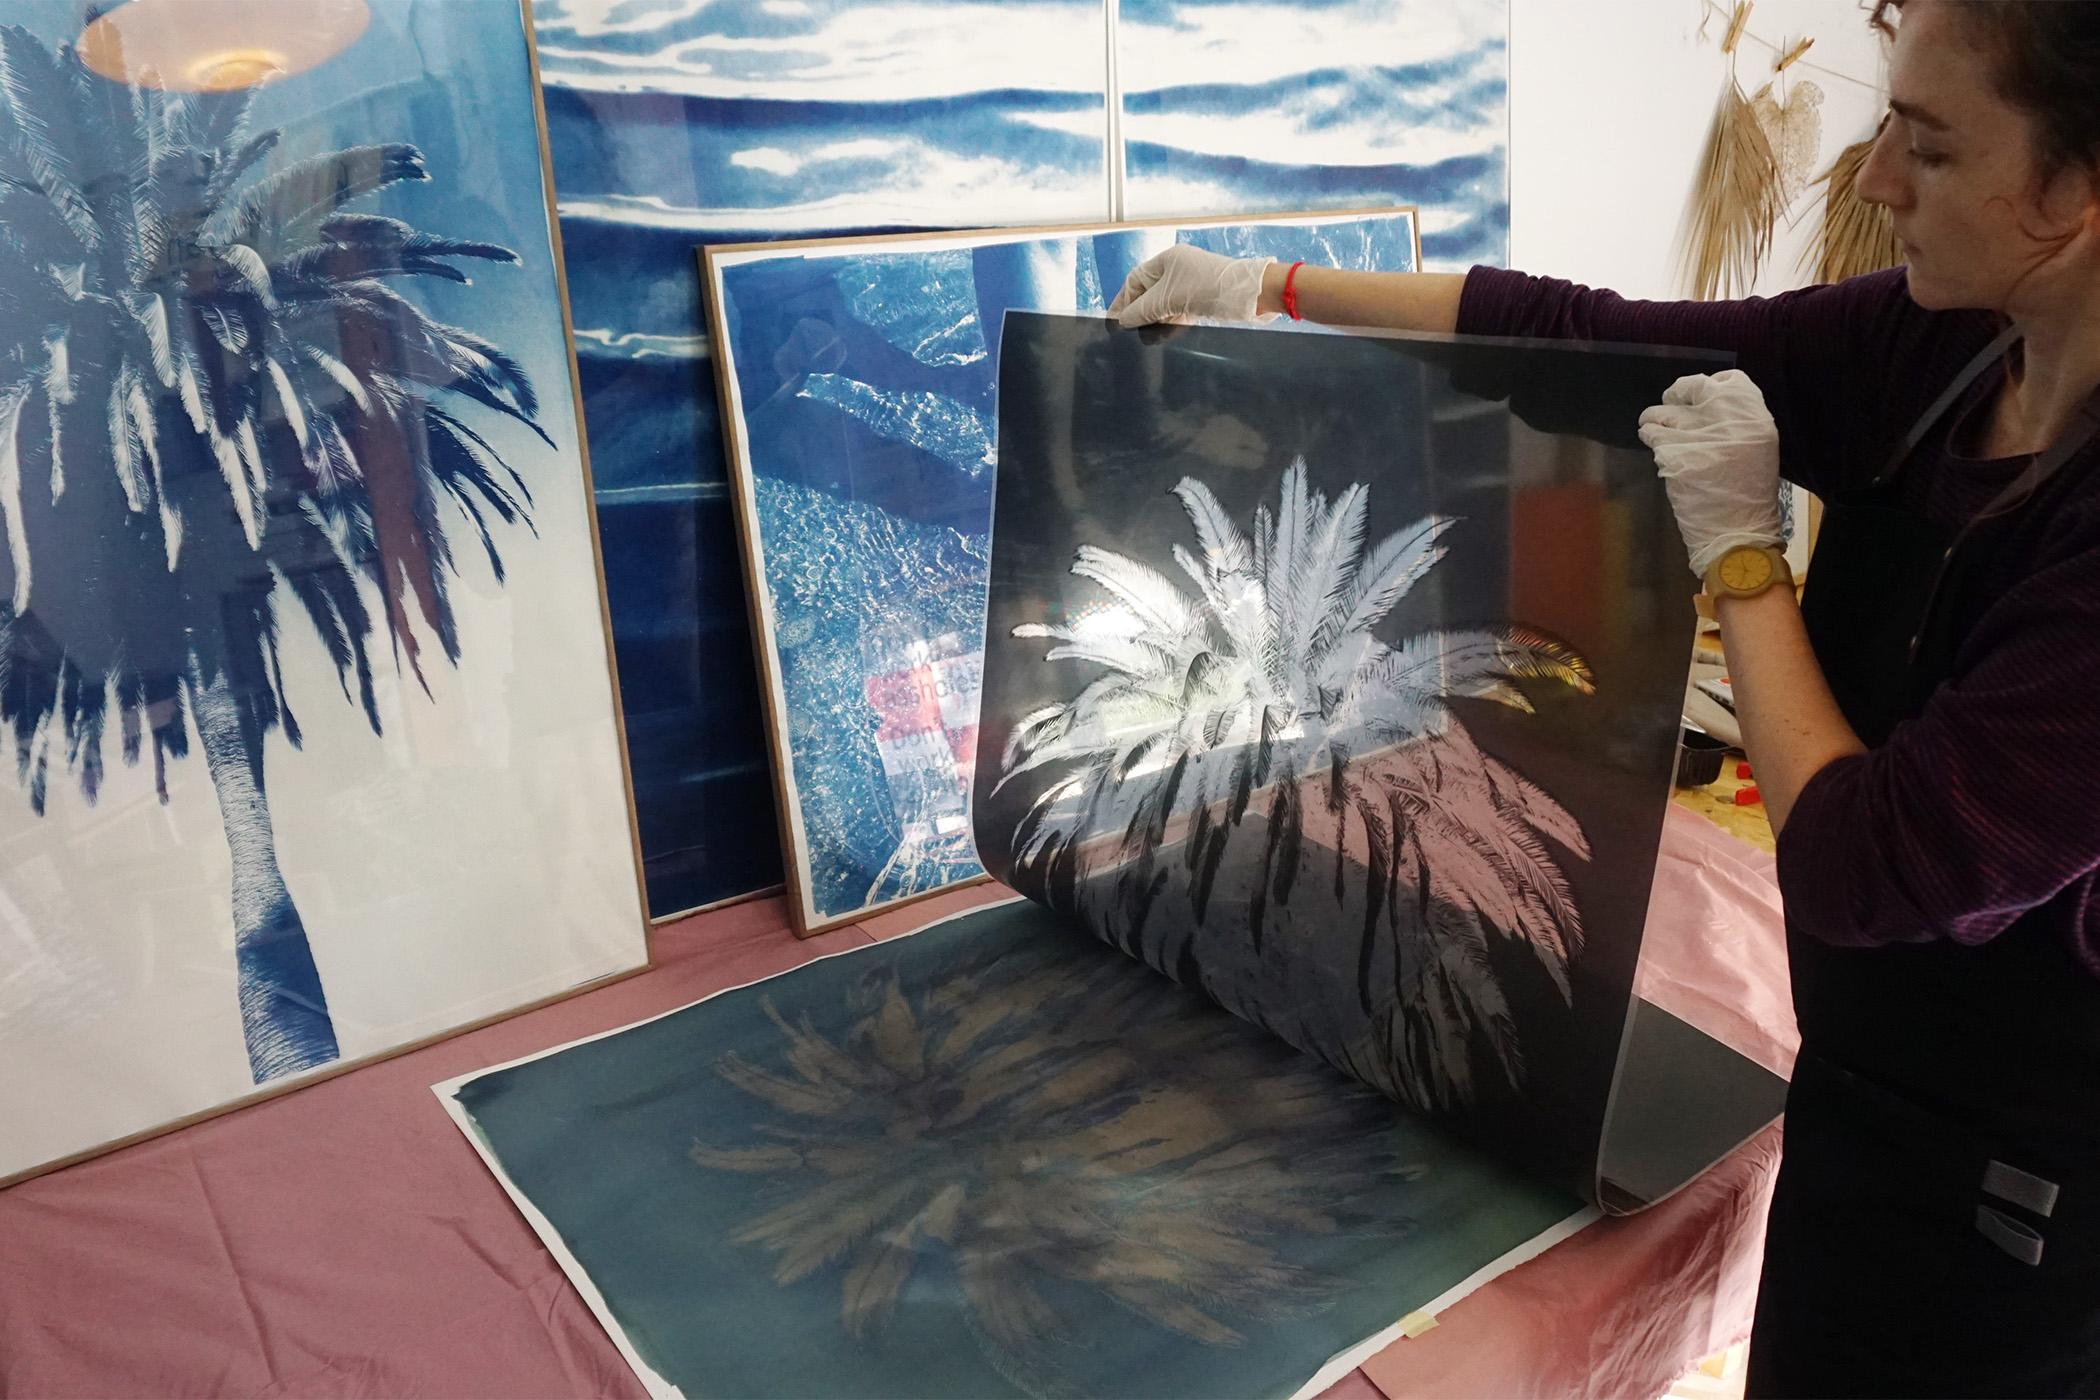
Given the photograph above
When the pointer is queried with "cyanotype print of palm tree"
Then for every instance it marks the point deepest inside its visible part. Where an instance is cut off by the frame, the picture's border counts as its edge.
(1053, 1134)
(1259, 724)
(215, 410)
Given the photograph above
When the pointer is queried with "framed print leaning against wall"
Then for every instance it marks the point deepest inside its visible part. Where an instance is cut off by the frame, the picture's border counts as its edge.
(857, 379)
(302, 634)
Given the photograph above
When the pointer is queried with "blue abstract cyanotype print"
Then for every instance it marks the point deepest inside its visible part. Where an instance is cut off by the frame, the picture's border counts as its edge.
(866, 376)
(1232, 107)
(678, 123)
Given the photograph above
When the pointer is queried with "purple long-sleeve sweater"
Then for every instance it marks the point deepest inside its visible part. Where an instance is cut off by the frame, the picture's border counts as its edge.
(1977, 813)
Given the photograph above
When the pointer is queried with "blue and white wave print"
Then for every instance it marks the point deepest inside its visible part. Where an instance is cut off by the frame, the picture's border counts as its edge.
(1236, 107)
(866, 382)
(678, 123)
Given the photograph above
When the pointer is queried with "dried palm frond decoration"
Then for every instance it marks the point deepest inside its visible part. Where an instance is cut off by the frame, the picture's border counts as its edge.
(1739, 197)
(1855, 237)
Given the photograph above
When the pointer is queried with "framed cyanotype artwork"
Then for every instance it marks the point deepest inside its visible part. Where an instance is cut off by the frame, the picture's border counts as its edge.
(1289, 694)
(994, 1158)
(858, 378)
(302, 646)
(675, 125)
(1270, 105)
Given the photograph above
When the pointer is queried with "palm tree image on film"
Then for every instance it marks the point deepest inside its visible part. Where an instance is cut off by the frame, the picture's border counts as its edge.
(218, 418)
(1256, 793)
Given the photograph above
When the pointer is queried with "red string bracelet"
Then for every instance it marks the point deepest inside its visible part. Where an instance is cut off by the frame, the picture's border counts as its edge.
(1290, 292)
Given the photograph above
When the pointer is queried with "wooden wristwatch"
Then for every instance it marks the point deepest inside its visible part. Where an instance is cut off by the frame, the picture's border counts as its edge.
(1748, 570)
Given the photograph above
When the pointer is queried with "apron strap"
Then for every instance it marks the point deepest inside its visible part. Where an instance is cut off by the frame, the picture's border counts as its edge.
(2080, 431)
(2084, 425)
(2042, 466)
(1971, 372)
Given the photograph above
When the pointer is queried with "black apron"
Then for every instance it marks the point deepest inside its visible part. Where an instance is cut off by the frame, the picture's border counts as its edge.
(1935, 1228)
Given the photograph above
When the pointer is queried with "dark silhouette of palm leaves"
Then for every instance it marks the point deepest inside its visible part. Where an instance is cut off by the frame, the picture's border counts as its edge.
(213, 403)
(1267, 691)
(1042, 1119)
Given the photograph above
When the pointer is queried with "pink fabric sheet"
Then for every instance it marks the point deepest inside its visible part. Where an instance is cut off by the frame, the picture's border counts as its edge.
(1627, 1306)
(345, 1241)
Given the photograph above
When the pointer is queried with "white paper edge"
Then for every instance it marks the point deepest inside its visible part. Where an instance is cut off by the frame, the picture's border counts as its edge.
(659, 1388)
(1349, 1359)
(656, 1385)
(447, 1095)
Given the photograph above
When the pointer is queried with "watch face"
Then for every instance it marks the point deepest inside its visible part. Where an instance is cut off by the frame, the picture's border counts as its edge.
(1746, 569)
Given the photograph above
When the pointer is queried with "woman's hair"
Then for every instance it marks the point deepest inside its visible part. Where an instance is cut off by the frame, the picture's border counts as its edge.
(2046, 54)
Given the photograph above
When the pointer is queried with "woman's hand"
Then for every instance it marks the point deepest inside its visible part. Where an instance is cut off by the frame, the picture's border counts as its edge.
(1718, 450)
(1185, 282)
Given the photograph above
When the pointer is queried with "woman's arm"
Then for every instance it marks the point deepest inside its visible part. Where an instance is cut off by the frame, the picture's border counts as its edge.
(1717, 448)
(1400, 301)
(1182, 282)
(1975, 811)
(1964, 818)
(1792, 726)
(1821, 355)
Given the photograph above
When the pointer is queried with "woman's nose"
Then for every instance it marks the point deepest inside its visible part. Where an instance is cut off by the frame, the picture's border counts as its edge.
(1880, 179)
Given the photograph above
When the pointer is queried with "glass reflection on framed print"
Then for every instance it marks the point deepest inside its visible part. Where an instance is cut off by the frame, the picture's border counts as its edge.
(858, 379)
(302, 639)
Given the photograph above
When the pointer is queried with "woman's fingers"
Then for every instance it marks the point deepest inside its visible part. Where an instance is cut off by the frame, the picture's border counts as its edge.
(1135, 286)
(1144, 311)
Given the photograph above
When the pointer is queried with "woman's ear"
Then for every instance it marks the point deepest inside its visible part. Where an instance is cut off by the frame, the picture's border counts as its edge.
(2087, 226)
(2069, 205)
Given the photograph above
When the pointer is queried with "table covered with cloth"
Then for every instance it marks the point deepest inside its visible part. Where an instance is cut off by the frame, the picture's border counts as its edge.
(345, 1240)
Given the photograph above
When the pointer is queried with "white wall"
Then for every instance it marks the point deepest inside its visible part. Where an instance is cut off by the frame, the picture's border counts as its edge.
(1610, 104)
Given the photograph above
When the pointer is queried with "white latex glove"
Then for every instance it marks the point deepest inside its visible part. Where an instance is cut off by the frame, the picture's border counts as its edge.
(1718, 449)
(1185, 282)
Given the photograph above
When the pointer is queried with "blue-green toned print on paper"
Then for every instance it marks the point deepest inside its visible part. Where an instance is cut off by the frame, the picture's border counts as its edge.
(996, 1158)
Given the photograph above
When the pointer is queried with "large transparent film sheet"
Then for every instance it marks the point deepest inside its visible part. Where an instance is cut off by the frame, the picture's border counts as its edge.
(1338, 677)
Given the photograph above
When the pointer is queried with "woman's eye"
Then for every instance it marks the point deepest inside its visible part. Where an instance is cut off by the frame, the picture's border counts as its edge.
(1927, 158)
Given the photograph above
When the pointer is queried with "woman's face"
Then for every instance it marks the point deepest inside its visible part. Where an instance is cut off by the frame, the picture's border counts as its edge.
(1956, 167)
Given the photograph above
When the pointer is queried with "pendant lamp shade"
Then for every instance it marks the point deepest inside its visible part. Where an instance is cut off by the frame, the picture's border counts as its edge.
(217, 45)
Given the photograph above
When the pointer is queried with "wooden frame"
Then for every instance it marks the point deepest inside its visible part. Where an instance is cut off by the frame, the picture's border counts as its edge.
(344, 1066)
(804, 918)
(583, 458)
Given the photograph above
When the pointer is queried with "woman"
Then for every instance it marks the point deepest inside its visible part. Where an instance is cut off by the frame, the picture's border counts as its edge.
(1921, 720)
